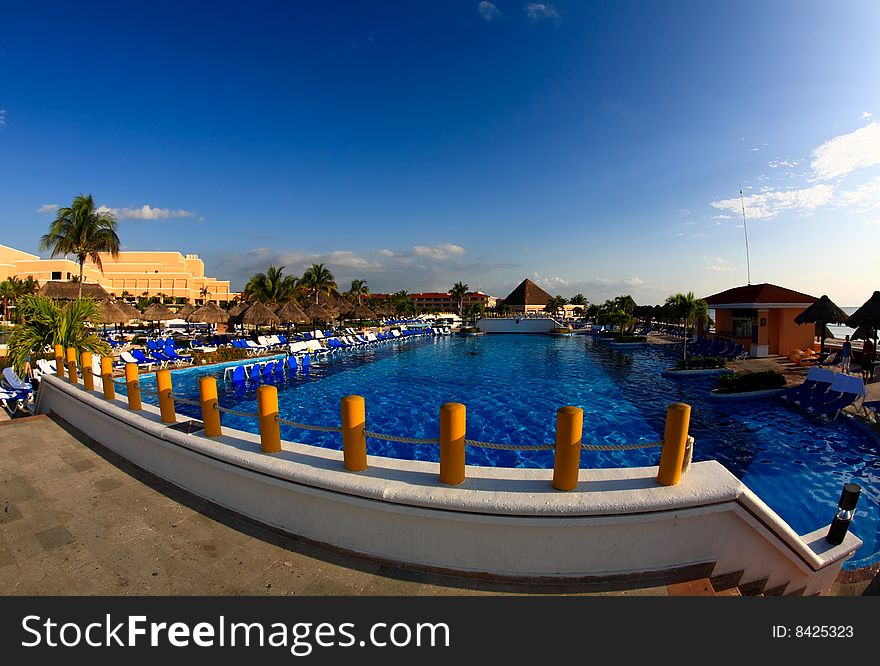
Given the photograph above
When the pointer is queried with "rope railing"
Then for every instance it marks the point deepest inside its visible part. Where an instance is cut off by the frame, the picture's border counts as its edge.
(677, 445)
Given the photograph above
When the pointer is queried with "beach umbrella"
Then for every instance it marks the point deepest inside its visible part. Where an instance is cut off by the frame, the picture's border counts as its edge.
(259, 315)
(185, 311)
(209, 313)
(237, 309)
(360, 312)
(291, 313)
(128, 309)
(317, 312)
(822, 312)
(158, 312)
(867, 315)
(863, 333)
(110, 314)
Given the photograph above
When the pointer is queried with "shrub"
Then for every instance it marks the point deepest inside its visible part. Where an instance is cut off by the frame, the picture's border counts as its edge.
(222, 355)
(702, 363)
(740, 382)
(625, 337)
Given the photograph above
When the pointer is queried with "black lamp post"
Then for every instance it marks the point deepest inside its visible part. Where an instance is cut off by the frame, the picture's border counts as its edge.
(846, 508)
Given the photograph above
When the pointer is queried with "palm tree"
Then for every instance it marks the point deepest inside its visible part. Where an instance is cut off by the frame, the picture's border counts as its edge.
(203, 292)
(7, 293)
(83, 231)
(270, 287)
(319, 279)
(458, 292)
(359, 288)
(46, 323)
(13, 288)
(555, 304)
(581, 302)
(686, 308)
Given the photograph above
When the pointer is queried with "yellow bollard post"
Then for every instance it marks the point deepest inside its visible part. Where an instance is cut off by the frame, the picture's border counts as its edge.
(107, 377)
(567, 457)
(71, 366)
(267, 409)
(166, 400)
(453, 426)
(210, 413)
(354, 442)
(87, 373)
(678, 417)
(132, 386)
(59, 361)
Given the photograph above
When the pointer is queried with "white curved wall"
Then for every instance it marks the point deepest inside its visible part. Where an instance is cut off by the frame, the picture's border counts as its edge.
(506, 522)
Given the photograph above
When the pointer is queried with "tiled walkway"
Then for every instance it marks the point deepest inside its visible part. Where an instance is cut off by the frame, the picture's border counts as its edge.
(77, 519)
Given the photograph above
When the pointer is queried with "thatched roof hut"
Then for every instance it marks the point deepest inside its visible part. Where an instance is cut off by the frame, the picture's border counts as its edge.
(111, 314)
(131, 311)
(259, 315)
(69, 291)
(291, 313)
(527, 293)
(158, 312)
(321, 313)
(185, 311)
(209, 313)
(360, 312)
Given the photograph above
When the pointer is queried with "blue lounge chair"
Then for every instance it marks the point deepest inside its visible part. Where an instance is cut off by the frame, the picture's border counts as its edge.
(844, 391)
(268, 371)
(254, 374)
(160, 358)
(15, 384)
(238, 375)
(291, 364)
(818, 380)
(172, 355)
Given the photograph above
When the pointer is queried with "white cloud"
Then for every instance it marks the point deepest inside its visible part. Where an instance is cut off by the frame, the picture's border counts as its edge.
(847, 152)
(717, 265)
(775, 164)
(48, 209)
(634, 282)
(767, 205)
(2, 117)
(146, 212)
(863, 198)
(754, 150)
(442, 251)
(488, 10)
(385, 253)
(866, 115)
(540, 10)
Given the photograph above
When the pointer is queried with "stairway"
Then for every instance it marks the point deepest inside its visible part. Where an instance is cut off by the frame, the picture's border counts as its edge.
(728, 585)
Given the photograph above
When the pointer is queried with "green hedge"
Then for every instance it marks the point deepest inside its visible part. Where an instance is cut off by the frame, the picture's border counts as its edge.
(740, 382)
(702, 363)
(222, 355)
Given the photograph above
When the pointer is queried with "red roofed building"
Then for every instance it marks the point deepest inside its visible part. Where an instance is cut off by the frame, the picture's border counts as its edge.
(761, 317)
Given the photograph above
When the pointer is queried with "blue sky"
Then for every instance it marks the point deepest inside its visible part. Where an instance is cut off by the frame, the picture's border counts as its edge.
(596, 147)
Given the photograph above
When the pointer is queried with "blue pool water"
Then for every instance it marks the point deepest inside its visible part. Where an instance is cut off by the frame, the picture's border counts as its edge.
(512, 386)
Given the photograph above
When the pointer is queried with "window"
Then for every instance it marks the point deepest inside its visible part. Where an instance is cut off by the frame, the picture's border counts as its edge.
(742, 327)
(56, 275)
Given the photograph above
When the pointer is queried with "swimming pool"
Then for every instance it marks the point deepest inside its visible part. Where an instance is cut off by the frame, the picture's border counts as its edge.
(512, 386)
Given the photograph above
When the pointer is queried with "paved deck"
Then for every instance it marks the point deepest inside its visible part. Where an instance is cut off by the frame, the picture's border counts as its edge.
(76, 519)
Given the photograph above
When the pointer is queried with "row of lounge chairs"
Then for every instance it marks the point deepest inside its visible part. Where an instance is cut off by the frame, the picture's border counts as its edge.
(265, 372)
(16, 395)
(825, 392)
(717, 347)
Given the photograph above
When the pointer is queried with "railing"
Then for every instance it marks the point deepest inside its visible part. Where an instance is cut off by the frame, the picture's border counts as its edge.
(677, 445)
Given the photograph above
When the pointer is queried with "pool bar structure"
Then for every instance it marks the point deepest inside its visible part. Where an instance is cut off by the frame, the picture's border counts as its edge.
(626, 524)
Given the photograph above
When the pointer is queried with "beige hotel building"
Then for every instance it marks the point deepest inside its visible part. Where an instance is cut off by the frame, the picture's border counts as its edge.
(171, 273)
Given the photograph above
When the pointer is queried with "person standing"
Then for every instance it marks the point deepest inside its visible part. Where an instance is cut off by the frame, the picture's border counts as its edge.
(868, 353)
(846, 356)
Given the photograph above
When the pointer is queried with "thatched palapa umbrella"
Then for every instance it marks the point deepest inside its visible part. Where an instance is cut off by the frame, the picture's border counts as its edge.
(128, 309)
(185, 311)
(158, 312)
(323, 313)
(291, 313)
(822, 312)
(111, 314)
(259, 315)
(868, 314)
(209, 313)
(360, 312)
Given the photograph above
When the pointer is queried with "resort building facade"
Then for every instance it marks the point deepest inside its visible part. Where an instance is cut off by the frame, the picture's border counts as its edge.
(761, 318)
(529, 297)
(173, 274)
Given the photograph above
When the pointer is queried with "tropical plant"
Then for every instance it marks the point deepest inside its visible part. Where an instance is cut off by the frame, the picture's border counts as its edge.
(203, 292)
(318, 279)
(555, 305)
(270, 287)
(581, 302)
(358, 289)
(458, 292)
(474, 311)
(685, 308)
(13, 288)
(46, 323)
(84, 231)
